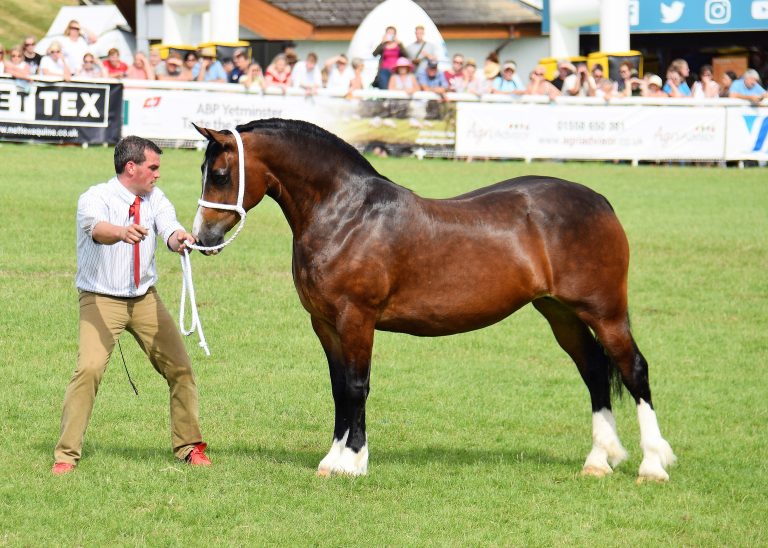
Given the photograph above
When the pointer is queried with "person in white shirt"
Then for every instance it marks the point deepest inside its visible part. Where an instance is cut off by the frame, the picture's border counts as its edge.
(75, 43)
(340, 74)
(118, 223)
(54, 64)
(580, 83)
(306, 75)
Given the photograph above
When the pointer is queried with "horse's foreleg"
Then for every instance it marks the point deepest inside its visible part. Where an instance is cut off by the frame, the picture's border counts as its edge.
(577, 340)
(657, 453)
(329, 338)
(350, 378)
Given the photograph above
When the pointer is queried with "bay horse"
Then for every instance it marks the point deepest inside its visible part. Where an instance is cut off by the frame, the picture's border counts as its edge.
(369, 254)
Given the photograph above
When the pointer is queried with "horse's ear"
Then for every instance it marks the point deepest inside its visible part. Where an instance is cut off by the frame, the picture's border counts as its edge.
(210, 134)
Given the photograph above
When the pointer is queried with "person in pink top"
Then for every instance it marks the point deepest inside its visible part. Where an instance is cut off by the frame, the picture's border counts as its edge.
(389, 50)
(278, 74)
(403, 79)
(141, 69)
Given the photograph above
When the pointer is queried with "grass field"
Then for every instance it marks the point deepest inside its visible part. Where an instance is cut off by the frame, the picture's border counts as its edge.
(476, 439)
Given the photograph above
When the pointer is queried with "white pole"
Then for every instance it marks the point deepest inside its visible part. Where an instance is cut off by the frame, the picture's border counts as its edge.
(225, 20)
(614, 25)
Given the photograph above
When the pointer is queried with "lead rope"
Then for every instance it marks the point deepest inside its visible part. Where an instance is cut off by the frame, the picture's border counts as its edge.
(187, 286)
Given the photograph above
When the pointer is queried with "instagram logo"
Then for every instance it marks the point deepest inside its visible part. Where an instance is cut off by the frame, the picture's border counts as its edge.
(717, 12)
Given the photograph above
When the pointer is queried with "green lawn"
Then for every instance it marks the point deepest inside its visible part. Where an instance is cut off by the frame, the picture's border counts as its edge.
(20, 18)
(476, 439)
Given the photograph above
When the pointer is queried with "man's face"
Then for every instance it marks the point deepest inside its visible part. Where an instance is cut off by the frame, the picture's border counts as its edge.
(419, 34)
(241, 62)
(144, 176)
(750, 82)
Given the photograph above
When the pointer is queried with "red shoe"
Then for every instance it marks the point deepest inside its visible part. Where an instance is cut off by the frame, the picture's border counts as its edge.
(197, 456)
(61, 468)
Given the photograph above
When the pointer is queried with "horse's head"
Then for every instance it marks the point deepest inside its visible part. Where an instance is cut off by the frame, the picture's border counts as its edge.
(221, 183)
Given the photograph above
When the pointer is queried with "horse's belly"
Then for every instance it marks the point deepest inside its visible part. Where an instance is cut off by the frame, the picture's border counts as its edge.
(448, 313)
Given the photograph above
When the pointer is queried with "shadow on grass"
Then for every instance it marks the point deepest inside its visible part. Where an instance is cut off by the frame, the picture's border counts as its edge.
(417, 456)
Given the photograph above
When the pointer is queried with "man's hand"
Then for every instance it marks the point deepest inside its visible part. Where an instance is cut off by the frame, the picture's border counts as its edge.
(179, 239)
(133, 234)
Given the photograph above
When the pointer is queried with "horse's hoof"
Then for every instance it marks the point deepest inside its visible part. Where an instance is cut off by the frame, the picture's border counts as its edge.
(595, 472)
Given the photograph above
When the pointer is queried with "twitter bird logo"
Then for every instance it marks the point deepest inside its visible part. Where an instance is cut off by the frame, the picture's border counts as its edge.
(673, 12)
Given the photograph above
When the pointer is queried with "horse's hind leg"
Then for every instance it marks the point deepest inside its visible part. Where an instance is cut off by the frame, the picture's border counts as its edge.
(617, 340)
(577, 340)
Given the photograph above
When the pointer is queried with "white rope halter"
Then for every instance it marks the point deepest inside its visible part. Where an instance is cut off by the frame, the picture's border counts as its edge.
(187, 287)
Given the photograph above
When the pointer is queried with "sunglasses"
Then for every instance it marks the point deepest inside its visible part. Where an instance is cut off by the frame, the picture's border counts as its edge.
(15, 55)
(28, 44)
(88, 62)
(54, 51)
(538, 73)
(74, 28)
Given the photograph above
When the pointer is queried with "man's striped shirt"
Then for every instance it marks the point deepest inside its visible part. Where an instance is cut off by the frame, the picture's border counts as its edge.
(108, 269)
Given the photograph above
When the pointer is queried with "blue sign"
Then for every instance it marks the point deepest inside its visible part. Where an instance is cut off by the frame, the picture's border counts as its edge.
(686, 16)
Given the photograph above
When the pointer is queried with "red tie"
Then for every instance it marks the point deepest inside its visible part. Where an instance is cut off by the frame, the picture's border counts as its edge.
(135, 212)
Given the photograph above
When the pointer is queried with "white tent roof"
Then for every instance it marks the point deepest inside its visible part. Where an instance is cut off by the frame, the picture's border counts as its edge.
(404, 15)
(106, 22)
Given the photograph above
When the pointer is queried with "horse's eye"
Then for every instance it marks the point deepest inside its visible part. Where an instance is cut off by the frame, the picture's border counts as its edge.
(220, 176)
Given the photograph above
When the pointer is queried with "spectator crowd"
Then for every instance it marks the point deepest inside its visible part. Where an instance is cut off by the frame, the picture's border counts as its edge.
(410, 68)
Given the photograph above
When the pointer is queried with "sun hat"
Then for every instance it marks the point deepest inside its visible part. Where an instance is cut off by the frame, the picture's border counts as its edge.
(208, 51)
(403, 62)
(655, 79)
(509, 65)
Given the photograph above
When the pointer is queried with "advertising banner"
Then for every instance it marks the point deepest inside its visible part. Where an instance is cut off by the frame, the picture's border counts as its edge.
(61, 112)
(632, 132)
(169, 114)
(387, 123)
(747, 134)
(687, 16)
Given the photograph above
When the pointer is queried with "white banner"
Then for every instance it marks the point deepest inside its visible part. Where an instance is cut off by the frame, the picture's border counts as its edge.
(747, 134)
(632, 132)
(169, 114)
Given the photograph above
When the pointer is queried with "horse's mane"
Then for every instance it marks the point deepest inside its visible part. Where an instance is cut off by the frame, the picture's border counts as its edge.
(299, 130)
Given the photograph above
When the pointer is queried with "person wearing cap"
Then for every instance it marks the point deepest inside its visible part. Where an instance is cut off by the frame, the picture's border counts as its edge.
(433, 80)
(508, 82)
(580, 84)
(651, 86)
(208, 68)
(748, 87)
(402, 79)
(171, 69)
(564, 70)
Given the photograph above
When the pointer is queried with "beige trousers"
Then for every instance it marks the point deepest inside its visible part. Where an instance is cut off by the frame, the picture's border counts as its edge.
(102, 320)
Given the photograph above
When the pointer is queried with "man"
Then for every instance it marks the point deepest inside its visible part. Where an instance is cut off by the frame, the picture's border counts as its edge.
(580, 83)
(340, 74)
(421, 52)
(564, 70)
(208, 68)
(306, 75)
(242, 62)
(748, 87)
(117, 227)
(433, 80)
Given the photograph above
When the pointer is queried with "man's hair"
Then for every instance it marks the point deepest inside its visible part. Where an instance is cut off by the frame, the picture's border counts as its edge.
(131, 149)
(751, 73)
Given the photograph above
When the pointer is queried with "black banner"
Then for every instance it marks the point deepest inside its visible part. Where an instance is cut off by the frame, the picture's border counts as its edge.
(61, 112)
